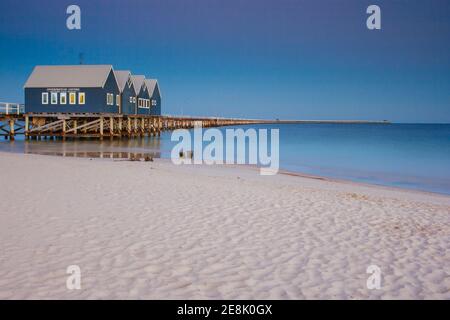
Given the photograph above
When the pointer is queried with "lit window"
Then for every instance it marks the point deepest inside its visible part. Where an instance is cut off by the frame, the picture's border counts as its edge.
(72, 97)
(54, 98)
(44, 97)
(110, 99)
(81, 98)
(63, 98)
(117, 100)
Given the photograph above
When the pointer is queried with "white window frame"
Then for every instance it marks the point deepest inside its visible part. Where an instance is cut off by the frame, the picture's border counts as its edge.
(53, 95)
(110, 99)
(131, 99)
(44, 98)
(118, 100)
(79, 98)
(134, 99)
(63, 95)
(74, 95)
(154, 103)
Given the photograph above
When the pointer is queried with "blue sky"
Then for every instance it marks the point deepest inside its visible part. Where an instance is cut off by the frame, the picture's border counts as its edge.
(289, 59)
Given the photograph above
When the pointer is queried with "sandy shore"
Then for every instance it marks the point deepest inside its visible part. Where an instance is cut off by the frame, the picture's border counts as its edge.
(152, 230)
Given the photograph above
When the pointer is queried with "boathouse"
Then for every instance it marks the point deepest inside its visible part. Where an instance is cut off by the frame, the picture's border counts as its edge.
(143, 99)
(127, 99)
(155, 96)
(72, 89)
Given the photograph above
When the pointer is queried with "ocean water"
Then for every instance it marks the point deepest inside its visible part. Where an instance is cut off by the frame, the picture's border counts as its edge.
(413, 156)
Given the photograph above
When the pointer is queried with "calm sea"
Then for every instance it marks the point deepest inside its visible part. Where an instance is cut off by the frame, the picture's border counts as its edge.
(414, 156)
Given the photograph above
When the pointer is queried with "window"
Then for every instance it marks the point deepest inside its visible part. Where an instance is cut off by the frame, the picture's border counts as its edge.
(63, 98)
(109, 99)
(154, 102)
(134, 99)
(147, 103)
(131, 99)
(54, 98)
(72, 97)
(117, 100)
(81, 98)
(44, 97)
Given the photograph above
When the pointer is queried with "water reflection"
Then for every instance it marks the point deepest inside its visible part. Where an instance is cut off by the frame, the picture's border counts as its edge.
(138, 148)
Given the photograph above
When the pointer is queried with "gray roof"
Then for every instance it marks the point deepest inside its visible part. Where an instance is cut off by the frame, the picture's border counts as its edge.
(122, 78)
(138, 81)
(86, 76)
(151, 85)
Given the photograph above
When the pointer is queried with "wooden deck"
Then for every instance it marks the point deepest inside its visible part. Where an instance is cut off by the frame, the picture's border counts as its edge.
(91, 125)
(13, 122)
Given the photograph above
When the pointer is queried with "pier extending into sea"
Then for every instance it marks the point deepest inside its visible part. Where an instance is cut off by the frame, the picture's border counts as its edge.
(13, 122)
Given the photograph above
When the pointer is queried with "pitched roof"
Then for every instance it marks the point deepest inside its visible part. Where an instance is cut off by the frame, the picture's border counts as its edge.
(122, 78)
(151, 85)
(137, 82)
(86, 76)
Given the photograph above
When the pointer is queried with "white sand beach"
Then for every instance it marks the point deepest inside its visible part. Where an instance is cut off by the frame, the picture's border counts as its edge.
(153, 230)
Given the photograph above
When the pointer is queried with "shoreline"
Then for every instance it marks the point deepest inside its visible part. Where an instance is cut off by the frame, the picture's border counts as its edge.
(255, 167)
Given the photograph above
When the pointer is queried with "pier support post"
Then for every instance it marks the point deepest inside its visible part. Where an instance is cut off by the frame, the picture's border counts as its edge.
(64, 130)
(11, 129)
(27, 126)
(111, 127)
(101, 128)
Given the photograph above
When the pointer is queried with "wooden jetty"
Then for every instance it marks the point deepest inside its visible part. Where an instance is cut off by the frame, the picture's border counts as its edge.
(13, 121)
(90, 125)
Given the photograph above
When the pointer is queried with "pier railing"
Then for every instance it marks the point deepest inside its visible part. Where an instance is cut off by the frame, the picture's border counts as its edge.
(11, 108)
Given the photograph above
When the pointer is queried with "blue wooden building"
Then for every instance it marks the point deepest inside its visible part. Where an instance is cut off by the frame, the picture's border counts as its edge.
(155, 96)
(143, 99)
(76, 88)
(127, 99)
